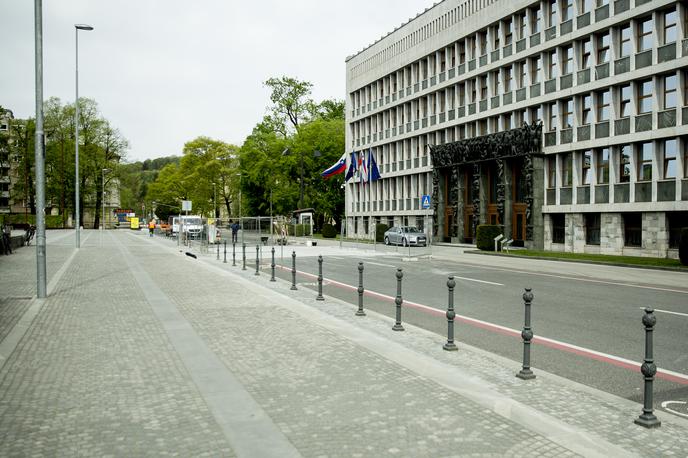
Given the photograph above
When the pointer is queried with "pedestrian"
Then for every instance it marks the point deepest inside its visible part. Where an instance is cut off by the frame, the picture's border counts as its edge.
(151, 227)
(235, 230)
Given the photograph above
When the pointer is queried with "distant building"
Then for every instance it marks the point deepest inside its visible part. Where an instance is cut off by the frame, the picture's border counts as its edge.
(6, 118)
(603, 86)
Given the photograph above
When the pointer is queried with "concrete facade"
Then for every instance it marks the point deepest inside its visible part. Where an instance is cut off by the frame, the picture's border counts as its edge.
(608, 80)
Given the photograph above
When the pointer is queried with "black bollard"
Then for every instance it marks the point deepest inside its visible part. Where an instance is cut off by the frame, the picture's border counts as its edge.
(218, 251)
(398, 300)
(649, 369)
(293, 270)
(272, 265)
(360, 311)
(320, 278)
(234, 253)
(257, 259)
(244, 256)
(225, 242)
(527, 334)
(450, 345)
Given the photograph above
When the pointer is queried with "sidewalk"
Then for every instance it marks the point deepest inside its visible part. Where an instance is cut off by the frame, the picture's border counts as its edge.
(140, 350)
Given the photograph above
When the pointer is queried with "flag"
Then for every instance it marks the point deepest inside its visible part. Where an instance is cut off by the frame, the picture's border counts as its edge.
(335, 169)
(372, 165)
(364, 166)
(352, 167)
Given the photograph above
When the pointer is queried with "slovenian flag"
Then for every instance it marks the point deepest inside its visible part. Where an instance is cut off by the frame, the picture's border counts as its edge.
(337, 168)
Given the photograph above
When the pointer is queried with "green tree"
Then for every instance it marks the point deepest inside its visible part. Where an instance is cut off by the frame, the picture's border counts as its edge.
(291, 104)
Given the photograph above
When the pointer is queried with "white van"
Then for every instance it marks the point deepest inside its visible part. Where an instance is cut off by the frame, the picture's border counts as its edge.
(191, 225)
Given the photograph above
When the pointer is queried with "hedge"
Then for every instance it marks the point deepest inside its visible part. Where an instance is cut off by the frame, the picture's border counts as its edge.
(329, 231)
(485, 236)
(298, 230)
(683, 246)
(380, 230)
(51, 221)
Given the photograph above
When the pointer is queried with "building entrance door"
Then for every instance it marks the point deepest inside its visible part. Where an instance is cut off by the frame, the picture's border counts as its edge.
(468, 208)
(518, 223)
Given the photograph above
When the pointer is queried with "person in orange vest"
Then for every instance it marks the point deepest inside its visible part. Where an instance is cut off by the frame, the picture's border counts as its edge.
(151, 227)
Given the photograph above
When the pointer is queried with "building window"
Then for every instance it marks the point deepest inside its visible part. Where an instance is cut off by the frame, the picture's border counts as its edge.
(603, 101)
(496, 90)
(625, 101)
(507, 79)
(601, 3)
(566, 9)
(552, 61)
(585, 6)
(645, 96)
(567, 170)
(645, 161)
(669, 86)
(483, 87)
(586, 172)
(592, 228)
(462, 52)
(535, 20)
(482, 42)
(567, 63)
(521, 25)
(670, 151)
(586, 114)
(552, 13)
(567, 114)
(522, 75)
(645, 34)
(508, 33)
(553, 116)
(676, 220)
(633, 229)
(495, 37)
(624, 163)
(602, 165)
(586, 53)
(536, 114)
(625, 41)
(552, 172)
(669, 30)
(535, 70)
(603, 41)
(558, 227)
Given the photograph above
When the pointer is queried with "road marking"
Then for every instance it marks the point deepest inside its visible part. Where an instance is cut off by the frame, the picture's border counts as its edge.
(380, 264)
(478, 281)
(667, 311)
(564, 277)
(666, 403)
(618, 361)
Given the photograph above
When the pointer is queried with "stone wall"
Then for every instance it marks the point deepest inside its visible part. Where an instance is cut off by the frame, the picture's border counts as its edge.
(655, 234)
(611, 233)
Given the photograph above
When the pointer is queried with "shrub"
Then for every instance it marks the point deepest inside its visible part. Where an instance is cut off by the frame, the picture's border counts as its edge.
(380, 230)
(683, 246)
(329, 231)
(298, 230)
(51, 221)
(485, 236)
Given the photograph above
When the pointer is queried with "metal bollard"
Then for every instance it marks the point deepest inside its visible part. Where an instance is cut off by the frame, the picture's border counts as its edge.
(218, 251)
(272, 265)
(257, 259)
(234, 253)
(398, 300)
(450, 345)
(649, 369)
(320, 279)
(244, 256)
(360, 311)
(527, 334)
(225, 242)
(293, 270)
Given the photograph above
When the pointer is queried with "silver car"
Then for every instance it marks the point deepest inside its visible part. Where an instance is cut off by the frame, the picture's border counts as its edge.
(405, 235)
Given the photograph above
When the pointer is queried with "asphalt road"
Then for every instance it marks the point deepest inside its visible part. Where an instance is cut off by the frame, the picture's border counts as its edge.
(591, 310)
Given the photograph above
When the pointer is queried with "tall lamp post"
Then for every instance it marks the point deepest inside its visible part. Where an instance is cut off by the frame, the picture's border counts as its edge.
(77, 27)
(102, 222)
(241, 220)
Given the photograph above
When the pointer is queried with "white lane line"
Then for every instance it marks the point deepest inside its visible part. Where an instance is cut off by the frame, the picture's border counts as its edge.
(380, 264)
(666, 403)
(564, 277)
(667, 311)
(478, 281)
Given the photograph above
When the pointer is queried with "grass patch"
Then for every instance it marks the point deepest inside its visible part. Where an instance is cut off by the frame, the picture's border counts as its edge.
(613, 259)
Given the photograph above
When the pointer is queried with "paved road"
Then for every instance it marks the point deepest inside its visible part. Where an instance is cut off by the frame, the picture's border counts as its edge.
(142, 350)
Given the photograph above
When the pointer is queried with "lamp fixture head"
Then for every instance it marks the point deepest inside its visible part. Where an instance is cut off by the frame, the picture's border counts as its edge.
(83, 26)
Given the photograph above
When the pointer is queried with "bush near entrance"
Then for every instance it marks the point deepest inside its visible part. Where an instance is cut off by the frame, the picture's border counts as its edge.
(380, 230)
(329, 231)
(485, 236)
(683, 246)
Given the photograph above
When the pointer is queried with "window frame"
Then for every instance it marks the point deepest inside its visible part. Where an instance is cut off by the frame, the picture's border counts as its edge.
(644, 161)
(586, 168)
(643, 97)
(602, 165)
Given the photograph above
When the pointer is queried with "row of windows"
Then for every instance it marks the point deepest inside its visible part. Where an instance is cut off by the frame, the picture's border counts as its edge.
(637, 162)
(599, 46)
(632, 226)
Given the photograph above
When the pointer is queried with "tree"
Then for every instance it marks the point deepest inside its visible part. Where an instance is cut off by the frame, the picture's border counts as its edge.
(291, 104)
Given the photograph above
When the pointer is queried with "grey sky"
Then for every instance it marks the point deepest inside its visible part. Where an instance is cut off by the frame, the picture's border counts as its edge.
(167, 71)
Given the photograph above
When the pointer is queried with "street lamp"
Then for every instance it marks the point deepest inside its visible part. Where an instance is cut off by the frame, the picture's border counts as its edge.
(103, 203)
(316, 153)
(77, 27)
(241, 220)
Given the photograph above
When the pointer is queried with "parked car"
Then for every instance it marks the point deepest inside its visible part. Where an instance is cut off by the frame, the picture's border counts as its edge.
(405, 235)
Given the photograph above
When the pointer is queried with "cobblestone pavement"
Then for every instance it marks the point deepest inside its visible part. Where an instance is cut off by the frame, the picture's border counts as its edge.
(141, 350)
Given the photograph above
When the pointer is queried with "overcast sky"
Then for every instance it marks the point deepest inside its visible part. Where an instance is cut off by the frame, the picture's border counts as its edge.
(166, 71)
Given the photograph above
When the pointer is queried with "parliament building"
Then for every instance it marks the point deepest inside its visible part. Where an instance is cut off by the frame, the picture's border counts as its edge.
(563, 121)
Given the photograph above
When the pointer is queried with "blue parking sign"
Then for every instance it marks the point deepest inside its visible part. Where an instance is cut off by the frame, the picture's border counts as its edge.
(425, 201)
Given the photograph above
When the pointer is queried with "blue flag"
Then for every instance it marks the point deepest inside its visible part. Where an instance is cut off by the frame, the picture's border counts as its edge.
(372, 168)
(352, 167)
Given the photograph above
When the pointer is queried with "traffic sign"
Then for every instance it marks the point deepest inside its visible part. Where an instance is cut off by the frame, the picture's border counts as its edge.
(425, 201)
